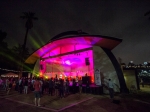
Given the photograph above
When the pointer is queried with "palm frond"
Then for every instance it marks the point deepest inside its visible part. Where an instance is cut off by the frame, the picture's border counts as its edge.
(23, 17)
(147, 13)
(25, 13)
(28, 15)
(35, 18)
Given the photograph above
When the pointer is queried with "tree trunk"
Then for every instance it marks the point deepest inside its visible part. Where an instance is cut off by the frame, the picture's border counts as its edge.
(24, 47)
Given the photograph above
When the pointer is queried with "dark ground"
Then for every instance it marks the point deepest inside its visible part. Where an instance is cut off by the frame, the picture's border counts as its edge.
(133, 102)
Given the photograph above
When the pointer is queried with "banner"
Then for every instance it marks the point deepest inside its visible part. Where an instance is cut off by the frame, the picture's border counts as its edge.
(97, 77)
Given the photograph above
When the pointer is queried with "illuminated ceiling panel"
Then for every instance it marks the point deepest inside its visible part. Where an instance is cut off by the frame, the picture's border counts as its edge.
(85, 40)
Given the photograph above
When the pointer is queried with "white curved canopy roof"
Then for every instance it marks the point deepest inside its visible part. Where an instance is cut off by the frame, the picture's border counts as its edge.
(86, 40)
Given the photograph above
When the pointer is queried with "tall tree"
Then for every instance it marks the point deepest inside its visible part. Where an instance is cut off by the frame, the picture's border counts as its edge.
(29, 16)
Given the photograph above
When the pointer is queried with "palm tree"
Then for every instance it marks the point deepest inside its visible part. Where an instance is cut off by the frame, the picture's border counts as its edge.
(29, 16)
(29, 24)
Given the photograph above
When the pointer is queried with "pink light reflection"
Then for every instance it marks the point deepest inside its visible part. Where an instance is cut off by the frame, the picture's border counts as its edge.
(71, 65)
(68, 62)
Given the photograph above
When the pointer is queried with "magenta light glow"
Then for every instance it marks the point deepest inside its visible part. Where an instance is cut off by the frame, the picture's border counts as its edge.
(67, 56)
(76, 43)
(70, 65)
(68, 62)
(80, 42)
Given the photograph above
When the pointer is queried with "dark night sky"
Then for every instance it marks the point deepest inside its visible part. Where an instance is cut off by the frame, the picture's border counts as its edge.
(122, 19)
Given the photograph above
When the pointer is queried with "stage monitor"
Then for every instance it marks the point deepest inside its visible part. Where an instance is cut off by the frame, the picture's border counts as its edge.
(85, 79)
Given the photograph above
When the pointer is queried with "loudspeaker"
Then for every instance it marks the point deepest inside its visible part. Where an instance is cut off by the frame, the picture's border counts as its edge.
(41, 67)
(87, 61)
(85, 79)
(116, 101)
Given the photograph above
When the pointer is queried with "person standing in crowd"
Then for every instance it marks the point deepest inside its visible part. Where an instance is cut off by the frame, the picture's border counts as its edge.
(37, 86)
(21, 86)
(74, 86)
(87, 87)
(32, 82)
(1, 83)
(80, 85)
(26, 86)
(110, 87)
(41, 81)
(61, 88)
(46, 86)
(6, 84)
(9, 86)
(142, 82)
(67, 87)
(17, 85)
(71, 85)
(77, 79)
(51, 86)
(56, 86)
(43, 86)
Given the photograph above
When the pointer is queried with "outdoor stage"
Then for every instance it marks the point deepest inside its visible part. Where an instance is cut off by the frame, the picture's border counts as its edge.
(73, 54)
(68, 65)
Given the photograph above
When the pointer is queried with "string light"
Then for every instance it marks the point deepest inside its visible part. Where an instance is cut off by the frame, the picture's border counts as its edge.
(12, 70)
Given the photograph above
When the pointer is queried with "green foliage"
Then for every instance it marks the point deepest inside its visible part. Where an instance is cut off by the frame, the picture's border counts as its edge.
(11, 58)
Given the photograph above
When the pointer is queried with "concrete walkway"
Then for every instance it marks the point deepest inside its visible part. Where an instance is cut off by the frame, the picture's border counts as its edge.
(52, 103)
(146, 88)
(85, 102)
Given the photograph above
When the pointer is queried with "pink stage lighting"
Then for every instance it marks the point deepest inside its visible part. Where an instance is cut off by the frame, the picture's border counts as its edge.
(68, 62)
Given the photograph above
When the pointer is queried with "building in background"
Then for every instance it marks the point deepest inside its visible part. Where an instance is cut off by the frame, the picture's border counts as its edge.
(136, 75)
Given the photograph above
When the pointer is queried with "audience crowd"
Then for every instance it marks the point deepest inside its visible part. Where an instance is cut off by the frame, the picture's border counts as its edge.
(53, 86)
